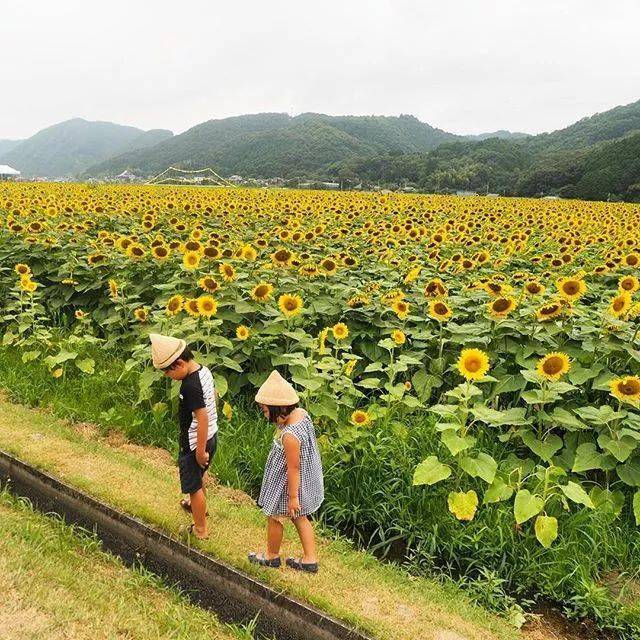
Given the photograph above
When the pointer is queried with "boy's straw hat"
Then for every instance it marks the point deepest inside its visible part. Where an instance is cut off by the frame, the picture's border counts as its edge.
(165, 350)
(277, 392)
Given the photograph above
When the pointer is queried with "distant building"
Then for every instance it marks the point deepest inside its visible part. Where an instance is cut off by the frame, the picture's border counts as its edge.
(551, 198)
(235, 179)
(8, 173)
(466, 193)
(127, 176)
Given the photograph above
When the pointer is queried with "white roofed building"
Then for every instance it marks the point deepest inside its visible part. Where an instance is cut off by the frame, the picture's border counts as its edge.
(8, 173)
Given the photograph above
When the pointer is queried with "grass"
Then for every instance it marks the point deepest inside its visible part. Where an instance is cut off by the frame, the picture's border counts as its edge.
(352, 585)
(57, 583)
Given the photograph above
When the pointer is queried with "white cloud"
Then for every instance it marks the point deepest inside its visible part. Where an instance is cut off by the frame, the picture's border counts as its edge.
(463, 65)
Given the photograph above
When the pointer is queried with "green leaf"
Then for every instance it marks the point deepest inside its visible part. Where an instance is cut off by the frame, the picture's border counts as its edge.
(65, 355)
(636, 507)
(566, 419)
(369, 383)
(629, 472)
(497, 492)
(545, 449)
(463, 505)
(600, 416)
(29, 356)
(576, 493)
(546, 528)
(510, 417)
(526, 505)
(221, 384)
(423, 383)
(455, 443)
(620, 449)
(430, 471)
(484, 466)
(86, 365)
(588, 457)
(606, 501)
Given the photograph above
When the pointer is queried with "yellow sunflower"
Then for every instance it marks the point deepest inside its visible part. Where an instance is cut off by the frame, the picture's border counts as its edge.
(360, 418)
(620, 304)
(113, 289)
(473, 364)
(549, 311)
(628, 283)
(141, 314)
(262, 292)
(174, 305)
(626, 389)
(160, 252)
(501, 307)
(207, 306)
(209, 284)
(401, 309)
(571, 289)
(398, 337)
(553, 366)
(227, 272)
(191, 260)
(440, 310)
(242, 332)
(22, 269)
(191, 307)
(290, 305)
(340, 331)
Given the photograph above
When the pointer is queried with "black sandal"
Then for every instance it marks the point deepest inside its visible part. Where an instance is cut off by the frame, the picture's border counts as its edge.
(186, 505)
(298, 565)
(274, 563)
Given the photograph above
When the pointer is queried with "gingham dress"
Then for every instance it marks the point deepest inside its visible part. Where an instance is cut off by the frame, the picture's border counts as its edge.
(274, 497)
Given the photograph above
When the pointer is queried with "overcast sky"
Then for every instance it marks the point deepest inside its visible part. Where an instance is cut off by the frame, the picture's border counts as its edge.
(466, 66)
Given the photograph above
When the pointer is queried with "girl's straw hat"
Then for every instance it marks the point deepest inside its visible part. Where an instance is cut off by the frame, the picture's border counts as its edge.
(165, 350)
(277, 392)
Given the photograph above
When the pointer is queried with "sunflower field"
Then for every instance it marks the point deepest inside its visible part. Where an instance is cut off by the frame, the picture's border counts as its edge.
(493, 341)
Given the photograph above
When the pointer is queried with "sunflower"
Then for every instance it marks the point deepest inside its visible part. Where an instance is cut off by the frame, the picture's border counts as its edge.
(473, 364)
(349, 367)
(571, 289)
(160, 252)
(136, 251)
(114, 289)
(626, 389)
(290, 305)
(496, 289)
(631, 260)
(628, 283)
(207, 306)
(398, 337)
(191, 260)
(360, 418)
(620, 304)
(227, 272)
(248, 253)
(553, 366)
(191, 307)
(242, 332)
(22, 269)
(534, 288)
(401, 309)
(501, 307)
(282, 258)
(262, 292)
(340, 331)
(141, 314)
(440, 310)
(356, 302)
(322, 339)
(174, 305)
(209, 284)
(549, 311)
(329, 266)
(435, 288)
(96, 258)
(80, 314)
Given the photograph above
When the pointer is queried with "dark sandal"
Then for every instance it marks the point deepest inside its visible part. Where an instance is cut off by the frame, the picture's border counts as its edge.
(192, 532)
(274, 563)
(186, 505)
(298, 565)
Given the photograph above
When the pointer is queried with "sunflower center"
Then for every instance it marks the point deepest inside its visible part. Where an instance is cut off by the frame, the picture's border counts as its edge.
(501, 305)
(472, 364)
(629, 387)
(441, 309)
(553, 365)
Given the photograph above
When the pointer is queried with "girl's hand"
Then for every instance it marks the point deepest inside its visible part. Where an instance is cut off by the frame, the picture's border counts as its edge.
(202, 458)
(294, 507)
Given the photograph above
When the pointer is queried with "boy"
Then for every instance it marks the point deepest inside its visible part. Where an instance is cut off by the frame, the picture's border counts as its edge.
(197, 418)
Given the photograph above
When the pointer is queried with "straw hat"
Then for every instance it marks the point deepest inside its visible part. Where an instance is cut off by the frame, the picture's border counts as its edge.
(165, 350)
(277, 392)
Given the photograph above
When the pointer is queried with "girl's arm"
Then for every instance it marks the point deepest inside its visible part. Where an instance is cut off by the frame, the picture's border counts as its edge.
(291, 446)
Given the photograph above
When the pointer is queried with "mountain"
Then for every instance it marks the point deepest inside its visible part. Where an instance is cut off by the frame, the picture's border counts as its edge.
(276, 144)
(503, 134)
(7, 145)
(69, 147)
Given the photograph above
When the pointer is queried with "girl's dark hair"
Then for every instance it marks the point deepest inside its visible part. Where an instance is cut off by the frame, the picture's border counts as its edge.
(186, 355)
(280, 412)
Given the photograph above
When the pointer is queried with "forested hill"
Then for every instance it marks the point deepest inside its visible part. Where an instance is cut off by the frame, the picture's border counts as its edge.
(69, 147)
(596, 158)
(275, 144)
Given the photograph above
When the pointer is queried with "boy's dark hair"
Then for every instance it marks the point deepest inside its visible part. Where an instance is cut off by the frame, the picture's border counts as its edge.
(186, 355)
(280, 412)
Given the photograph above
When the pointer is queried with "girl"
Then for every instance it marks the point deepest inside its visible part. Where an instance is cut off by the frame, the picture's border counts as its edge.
(292, 486)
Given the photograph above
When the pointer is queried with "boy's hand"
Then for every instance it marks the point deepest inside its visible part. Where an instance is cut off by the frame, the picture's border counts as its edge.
(294, 507)
(202, 458)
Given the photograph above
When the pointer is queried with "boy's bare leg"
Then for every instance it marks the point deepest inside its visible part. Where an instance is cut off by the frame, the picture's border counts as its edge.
(199, 510)
(275, 531)
(308, 539)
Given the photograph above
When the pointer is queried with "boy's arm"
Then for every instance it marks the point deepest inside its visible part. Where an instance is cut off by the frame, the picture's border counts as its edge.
(291, 446)
(202, 416)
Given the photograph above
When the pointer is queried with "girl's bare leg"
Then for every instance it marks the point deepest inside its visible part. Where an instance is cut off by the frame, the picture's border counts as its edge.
(308, 539)
(275, 531)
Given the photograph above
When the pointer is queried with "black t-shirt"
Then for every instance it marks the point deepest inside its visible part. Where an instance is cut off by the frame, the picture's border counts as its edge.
(191, 398)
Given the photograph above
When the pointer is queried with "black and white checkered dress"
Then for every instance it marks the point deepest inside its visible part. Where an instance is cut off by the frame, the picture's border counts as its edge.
(274, 497)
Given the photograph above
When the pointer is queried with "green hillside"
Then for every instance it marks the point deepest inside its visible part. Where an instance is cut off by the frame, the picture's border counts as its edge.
(69, 147)
(7, 145)
(275, 144)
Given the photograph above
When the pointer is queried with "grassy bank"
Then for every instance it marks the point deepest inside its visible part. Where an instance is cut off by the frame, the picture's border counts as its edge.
(57, 583)
(589, 571)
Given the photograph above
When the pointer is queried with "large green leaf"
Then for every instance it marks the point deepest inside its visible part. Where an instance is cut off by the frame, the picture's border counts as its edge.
(526, 505)
(483, 466)
(463, 505)
(620, 449)
(86, 365)
(576, 493)
(588, 457)
(430, 471)
(497, 492)
(629, 472)
(600, 416)
(455, 443)
(544, 449)
(546, 528)
(566, 419)
(509, 417)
